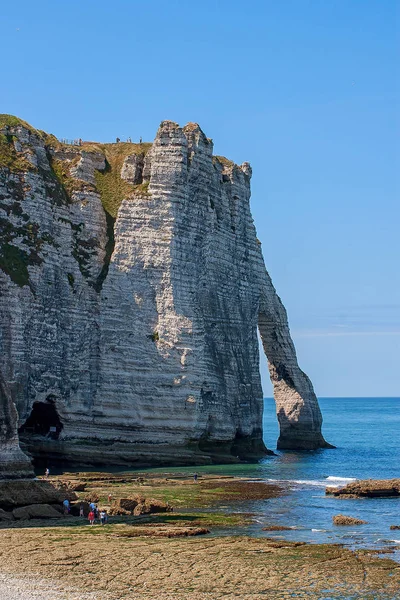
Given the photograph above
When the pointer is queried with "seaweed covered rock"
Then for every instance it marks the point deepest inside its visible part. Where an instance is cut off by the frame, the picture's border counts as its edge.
(345, 520)
(138, 505)
(367, 488)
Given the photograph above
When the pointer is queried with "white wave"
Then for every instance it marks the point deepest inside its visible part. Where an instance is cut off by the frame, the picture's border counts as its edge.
(318, 529)
(333, 478)
(313, 482)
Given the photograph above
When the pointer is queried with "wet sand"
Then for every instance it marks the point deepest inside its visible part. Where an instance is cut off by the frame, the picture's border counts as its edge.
(23, 588)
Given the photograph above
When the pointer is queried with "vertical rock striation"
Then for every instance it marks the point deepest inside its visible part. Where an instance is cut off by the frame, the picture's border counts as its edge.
(132, 286)
(13, 463)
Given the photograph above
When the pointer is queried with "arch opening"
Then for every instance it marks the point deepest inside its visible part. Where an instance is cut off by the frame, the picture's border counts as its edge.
(43, 421)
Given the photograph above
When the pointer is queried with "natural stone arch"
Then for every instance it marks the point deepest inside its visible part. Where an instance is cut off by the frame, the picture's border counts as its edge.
(298, 412)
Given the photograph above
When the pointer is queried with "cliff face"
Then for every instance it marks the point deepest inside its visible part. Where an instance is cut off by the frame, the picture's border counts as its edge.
(13, 462)
(131, 289)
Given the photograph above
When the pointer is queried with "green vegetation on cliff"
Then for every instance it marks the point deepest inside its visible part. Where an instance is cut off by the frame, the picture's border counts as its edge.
(111, 187)
(10, 158)
(61, 185)
(225, 162)
(12, 121)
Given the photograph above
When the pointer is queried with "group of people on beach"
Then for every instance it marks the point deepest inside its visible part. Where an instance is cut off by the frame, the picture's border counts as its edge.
(95, 513)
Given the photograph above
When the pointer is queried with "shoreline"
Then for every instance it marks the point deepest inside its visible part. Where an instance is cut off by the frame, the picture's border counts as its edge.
(141, 557)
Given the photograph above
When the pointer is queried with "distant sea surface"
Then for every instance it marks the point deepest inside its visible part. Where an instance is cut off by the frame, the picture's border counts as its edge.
(366, 433)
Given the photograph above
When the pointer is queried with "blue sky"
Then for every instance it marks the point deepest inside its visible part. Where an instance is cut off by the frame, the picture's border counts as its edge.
(306, 90)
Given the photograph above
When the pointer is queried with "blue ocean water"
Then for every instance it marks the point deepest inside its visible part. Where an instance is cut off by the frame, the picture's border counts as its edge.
(366, 433)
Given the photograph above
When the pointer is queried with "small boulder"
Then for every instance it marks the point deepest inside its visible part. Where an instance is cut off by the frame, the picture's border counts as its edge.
(125, 506)
(36, 511)
(395, 527)
(157, 506)
(138, 505)
(344, 520)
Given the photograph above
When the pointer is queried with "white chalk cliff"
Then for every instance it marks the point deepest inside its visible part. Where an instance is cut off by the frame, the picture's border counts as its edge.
(132, 285)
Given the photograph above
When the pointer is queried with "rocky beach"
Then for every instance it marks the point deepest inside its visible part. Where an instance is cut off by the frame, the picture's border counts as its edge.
(182, 544)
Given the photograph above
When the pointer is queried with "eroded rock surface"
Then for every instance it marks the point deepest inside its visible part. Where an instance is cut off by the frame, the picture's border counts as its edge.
(345, 520)
(13, 463)
(14, 494)
(138, 505)
(132, 286)
(36, 511)
(367, 488)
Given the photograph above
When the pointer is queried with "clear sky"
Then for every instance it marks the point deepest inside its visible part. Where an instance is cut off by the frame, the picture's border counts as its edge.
(306, 90)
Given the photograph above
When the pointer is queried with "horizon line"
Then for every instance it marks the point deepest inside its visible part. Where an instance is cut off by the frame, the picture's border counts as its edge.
(349, 397)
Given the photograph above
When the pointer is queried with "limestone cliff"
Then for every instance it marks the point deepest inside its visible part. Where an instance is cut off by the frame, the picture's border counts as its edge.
(132, 285)
(13, 462)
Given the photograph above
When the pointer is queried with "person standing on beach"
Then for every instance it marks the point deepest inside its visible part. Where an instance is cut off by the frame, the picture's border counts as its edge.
(66, 506)
(195, 477)
(103, 517)
(47, 472)
(91, 517)
(81, 513)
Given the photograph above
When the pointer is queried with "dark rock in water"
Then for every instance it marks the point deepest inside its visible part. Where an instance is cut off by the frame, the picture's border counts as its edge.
(395, 527)
(36, 511)
(14, 493)
(344, 520)
(367, 488)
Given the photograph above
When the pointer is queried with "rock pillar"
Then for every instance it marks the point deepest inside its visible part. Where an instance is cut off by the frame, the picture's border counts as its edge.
(13, 462)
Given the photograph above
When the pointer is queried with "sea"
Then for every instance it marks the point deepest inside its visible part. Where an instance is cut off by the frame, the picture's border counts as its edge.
(366, 433)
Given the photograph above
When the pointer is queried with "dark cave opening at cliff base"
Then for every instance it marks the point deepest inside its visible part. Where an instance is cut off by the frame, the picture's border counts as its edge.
(43, 421)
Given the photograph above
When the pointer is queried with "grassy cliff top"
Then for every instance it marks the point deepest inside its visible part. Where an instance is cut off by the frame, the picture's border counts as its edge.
(225, 162)
(11, 121)
(112, 188)
(105, 148)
